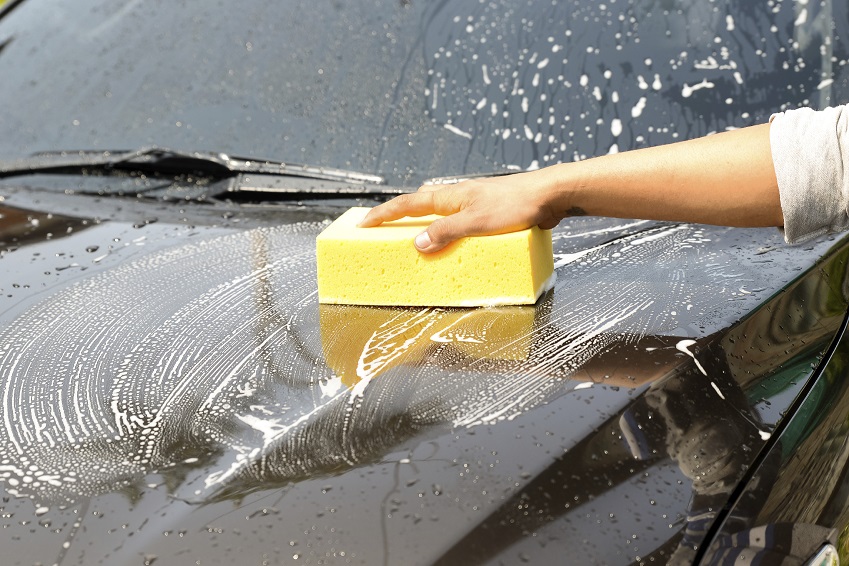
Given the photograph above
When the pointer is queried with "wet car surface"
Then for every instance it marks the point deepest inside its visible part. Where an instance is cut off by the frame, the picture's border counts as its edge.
(173, 392)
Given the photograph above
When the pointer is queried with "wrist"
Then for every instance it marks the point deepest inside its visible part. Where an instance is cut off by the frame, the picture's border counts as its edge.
(560, 191)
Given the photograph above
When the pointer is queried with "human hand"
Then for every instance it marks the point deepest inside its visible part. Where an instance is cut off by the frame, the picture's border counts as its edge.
(476, 207)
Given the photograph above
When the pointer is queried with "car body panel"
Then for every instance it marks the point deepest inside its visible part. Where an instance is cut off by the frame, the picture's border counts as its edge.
(801, 478)
(187, 368)
(173, 391)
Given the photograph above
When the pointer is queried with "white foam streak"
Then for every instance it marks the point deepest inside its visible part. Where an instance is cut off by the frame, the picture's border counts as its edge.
(455, 130)
(684, 347)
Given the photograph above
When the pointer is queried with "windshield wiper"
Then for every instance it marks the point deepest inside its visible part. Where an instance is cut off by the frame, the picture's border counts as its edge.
(227, 176)
(163, 162)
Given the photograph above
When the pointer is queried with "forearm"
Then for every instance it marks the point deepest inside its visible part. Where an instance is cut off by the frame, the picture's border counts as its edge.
(723, 179)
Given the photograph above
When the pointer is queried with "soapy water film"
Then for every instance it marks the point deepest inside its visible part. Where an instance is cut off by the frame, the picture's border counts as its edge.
(214, 360)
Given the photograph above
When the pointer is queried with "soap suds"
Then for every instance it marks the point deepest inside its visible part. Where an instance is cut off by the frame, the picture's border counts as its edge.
(546, 286)
(455, 130)
(252, 383)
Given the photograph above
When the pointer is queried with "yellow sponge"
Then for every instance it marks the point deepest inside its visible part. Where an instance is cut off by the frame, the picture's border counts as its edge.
(380, 266)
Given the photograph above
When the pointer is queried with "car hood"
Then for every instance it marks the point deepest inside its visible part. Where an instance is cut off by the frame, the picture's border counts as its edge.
(172, 388)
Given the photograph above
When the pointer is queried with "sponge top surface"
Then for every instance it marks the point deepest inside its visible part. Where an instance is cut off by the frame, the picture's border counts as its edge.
(345, 227)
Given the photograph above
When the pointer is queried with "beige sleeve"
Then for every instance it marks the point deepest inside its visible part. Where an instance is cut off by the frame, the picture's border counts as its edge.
(810, 152)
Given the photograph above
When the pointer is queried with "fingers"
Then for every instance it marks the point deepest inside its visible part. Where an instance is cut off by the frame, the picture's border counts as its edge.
(413, 204)
(432, 187)
(470, 208)
(430, 199)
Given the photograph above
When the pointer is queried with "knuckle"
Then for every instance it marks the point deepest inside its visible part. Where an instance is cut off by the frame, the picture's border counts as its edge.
(402, 200)
(402, 203)
(440, 231)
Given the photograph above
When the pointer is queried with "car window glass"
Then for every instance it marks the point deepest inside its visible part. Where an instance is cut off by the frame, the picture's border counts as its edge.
(407, 89)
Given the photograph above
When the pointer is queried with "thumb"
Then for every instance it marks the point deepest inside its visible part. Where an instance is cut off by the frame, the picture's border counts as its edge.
(440, 233)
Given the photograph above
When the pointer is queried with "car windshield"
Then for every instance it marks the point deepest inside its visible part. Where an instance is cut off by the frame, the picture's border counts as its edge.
(405, 89)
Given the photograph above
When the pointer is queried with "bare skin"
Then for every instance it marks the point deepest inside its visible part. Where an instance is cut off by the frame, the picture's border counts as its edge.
(725, 179)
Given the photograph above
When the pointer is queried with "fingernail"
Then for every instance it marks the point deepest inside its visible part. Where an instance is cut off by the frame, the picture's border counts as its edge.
(423, 240)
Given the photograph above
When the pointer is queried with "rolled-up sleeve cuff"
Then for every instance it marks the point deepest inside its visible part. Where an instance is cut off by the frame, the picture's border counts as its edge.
(810, 160)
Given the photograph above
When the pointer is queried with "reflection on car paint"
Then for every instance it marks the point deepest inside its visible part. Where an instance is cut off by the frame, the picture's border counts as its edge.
(22, 227)
(711, 438)
(360, 343)
(802, 485)
(222, 342)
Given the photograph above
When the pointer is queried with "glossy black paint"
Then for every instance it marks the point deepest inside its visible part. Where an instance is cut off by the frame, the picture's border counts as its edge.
(801, 475)
(172, 391)
(618, 469)
(713, 439)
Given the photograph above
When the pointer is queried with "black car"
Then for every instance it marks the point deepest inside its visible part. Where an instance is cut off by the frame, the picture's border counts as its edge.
(173, 393)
